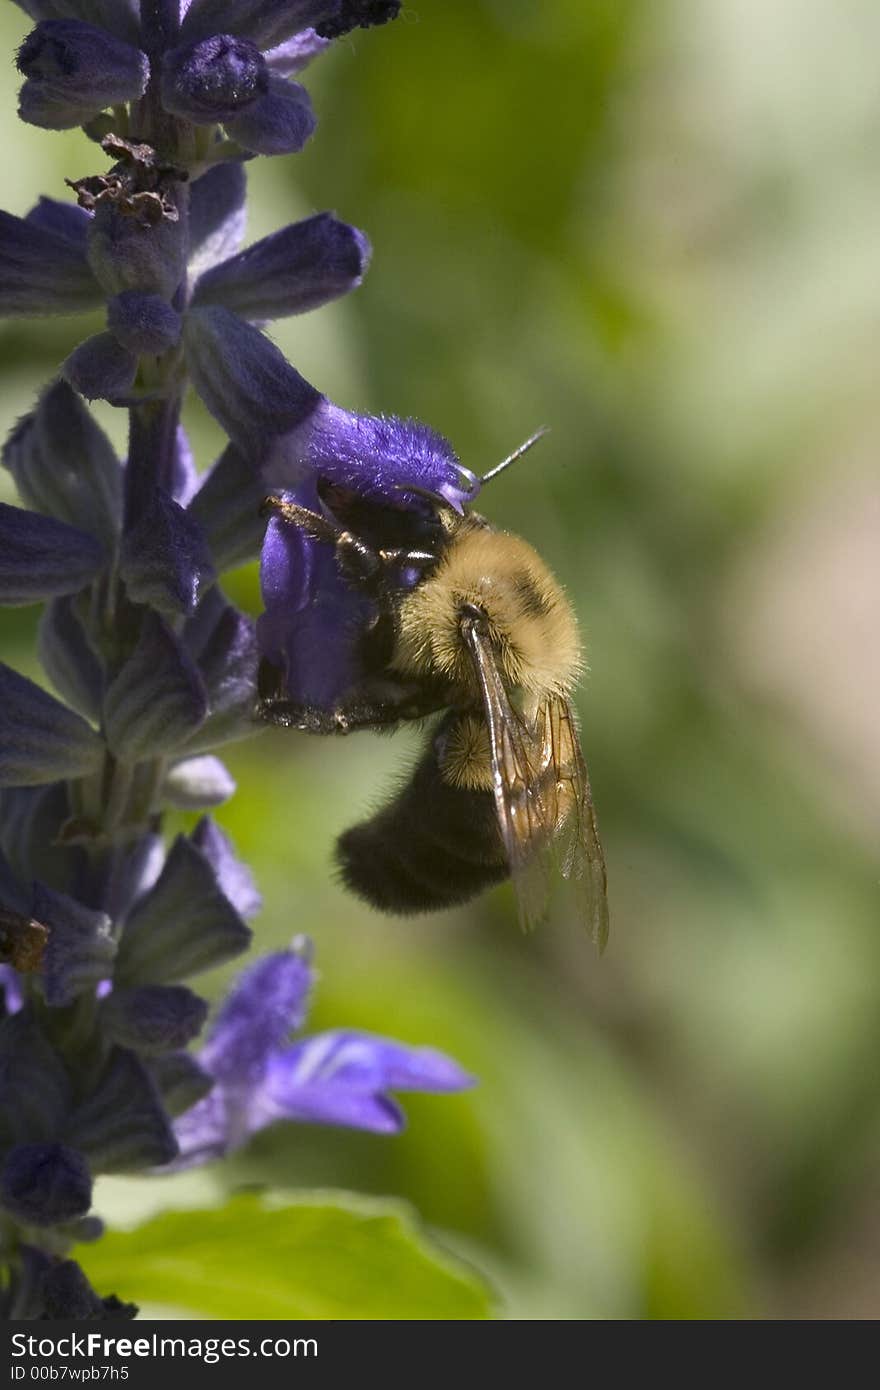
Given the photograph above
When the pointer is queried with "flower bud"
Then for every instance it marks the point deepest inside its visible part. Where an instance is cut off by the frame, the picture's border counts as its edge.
(143, 323)
(214, 79)
(44, 1184)
(74, 70)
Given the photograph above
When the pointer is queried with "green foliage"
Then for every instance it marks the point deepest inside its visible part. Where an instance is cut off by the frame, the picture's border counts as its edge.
(323, 1256)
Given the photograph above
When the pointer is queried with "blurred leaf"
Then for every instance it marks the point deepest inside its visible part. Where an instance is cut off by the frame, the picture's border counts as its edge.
(322, 1256)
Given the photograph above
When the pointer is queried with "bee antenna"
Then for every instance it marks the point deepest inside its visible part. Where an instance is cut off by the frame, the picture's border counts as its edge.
(517, 454)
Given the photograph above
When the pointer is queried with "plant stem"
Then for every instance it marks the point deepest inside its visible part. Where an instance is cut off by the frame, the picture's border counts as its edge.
(160, 22)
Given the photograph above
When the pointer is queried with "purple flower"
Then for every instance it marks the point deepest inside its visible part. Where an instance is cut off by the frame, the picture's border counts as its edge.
(102, 925)
(271, 22)
(378, 457)
(229, 66)
(340, 1078)
(312, 627)
(311, 632)
(74, 70)
(214, 79)
(238, 371)
(42, 1184)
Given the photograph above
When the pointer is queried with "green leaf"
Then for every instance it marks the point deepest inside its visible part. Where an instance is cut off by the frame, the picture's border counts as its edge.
(321, 1256)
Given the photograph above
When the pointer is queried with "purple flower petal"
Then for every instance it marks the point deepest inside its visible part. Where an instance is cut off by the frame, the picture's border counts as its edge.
(196, 783)
(39, 106)
(227, 504)
(216, 216)
(267, 1004)
(337, 1078)
(80, 947)
(29, 821)
(45, 1184)
(35, 1090)
(122, 1125)
(101, 369)
(347, 1058)
(135, 872)
(313, 624)
(13, 990)
(214, 79)
(227, 662)
(42, 271)
(299, 268)
(153, 1018)
(199, 630)
(67, 1293)
(379, 457)
(124, 255)
(351, 1107)
(204, 1132)
(183, 925)
(143, 323)
(165, 560)
(233, 876)
(342, 1078)
(63, 219)
(64, 464)
(179, 1079)
(157, 699)
(265, 22)
(290, 57)
(41, 558)
(119, 17)
(69, 659)
(288, 560)
(82, 66)
(280, 122)
(244, 380)
(41, 740)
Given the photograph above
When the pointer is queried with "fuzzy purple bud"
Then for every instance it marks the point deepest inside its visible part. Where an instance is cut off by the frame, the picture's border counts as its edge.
(214, 79)
(101, 369)
(44, 1184)
(296, 269)
(42, 270)
(143, 323)
(279, 123)
(79, 69)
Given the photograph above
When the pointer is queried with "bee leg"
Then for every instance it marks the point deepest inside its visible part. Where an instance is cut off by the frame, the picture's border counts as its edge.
(288, 714)
(359, 564)
(377, 703)
(383, 702)
(310, 523)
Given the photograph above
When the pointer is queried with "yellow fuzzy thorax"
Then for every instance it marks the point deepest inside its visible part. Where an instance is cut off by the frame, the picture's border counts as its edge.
(533, 629)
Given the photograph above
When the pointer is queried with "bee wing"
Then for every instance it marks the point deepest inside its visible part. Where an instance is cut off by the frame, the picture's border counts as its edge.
(525, 801)
(577, 835)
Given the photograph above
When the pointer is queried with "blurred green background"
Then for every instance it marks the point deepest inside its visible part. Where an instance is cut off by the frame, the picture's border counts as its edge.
(654, 227)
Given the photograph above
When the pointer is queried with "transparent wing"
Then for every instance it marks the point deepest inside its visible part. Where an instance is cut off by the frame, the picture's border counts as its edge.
(542, 796)
(576, 841)
(524, 819)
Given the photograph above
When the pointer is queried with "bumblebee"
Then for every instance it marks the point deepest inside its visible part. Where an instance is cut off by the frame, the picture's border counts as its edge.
(468, 620)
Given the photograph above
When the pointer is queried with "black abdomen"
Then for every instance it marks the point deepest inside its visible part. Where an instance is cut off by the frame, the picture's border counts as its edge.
(433, 846)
